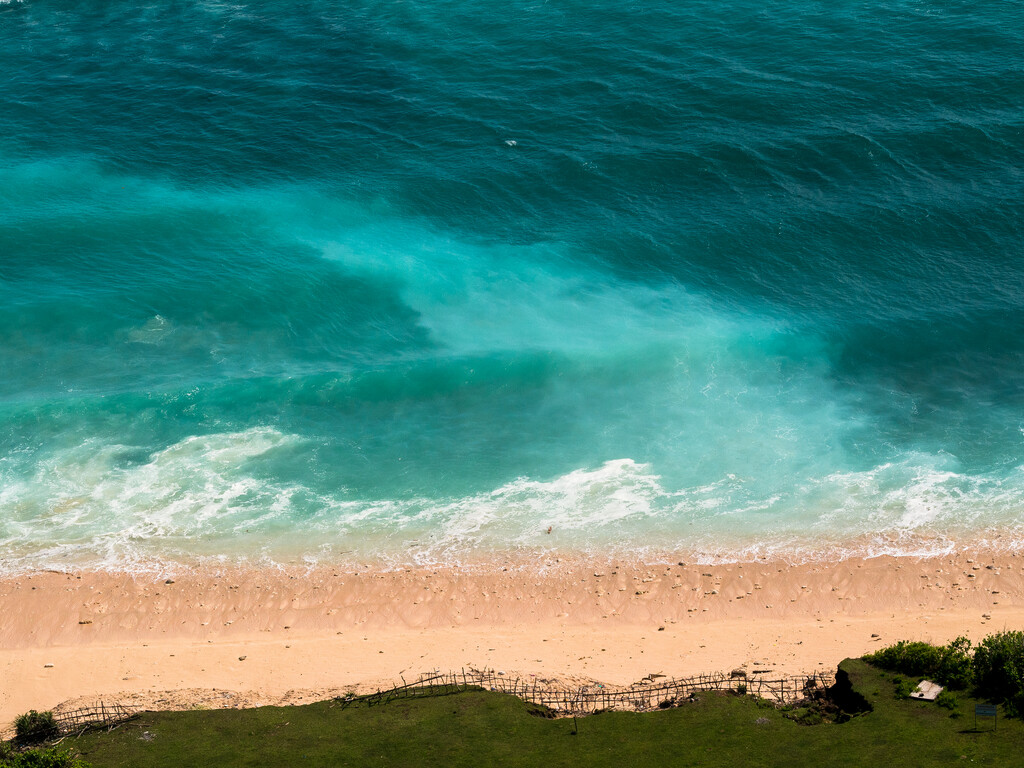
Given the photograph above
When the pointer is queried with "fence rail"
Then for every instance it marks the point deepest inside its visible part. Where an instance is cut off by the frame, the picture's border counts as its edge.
(102, 715)
(586, 699)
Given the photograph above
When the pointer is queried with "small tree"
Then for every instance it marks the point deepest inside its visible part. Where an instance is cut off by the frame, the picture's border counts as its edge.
(35, 727)
(956, 665)
(999, 669)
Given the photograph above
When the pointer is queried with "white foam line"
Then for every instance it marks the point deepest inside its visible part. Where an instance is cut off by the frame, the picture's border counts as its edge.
(194, 499)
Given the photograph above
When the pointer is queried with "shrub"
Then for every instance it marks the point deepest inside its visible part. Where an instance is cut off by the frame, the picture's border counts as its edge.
(903, 687)
(913, 659)
(806, 715)
(43, 758)
(948, 700)
(956, 668)
(999, 669)
(35, 727)
(949, 665)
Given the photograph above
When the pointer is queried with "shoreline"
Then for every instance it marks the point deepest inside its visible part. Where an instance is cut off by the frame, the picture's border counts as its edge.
(246, 637)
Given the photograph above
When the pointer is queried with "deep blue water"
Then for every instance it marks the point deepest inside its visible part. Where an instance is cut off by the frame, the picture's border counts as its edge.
(418, 280)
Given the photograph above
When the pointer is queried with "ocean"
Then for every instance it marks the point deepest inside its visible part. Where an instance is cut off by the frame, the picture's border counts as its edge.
(456, 282)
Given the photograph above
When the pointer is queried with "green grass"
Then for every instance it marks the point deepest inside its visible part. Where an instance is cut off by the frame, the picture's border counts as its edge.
(487, 729)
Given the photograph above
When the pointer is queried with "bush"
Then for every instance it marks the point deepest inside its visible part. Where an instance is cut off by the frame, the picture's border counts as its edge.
(42, 758)
(948, 665)
(805, 716)
(948, 700)
(913, 659)
(999, 670)
(35, 727)
(956, 668)
(903, 688)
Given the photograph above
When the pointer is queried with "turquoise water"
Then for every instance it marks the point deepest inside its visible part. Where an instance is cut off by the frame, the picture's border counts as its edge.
(416, 281)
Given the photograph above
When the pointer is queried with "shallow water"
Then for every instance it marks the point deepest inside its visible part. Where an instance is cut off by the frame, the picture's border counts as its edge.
(418, 281)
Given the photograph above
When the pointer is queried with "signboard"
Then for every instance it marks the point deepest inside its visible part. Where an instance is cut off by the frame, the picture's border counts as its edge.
(985, 710)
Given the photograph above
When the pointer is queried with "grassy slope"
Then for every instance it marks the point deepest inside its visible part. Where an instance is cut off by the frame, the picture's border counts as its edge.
(478, 728)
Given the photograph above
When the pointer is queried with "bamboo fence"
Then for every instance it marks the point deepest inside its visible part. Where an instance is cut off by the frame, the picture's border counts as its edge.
(587, 699)
(102, 715)
(560, 700)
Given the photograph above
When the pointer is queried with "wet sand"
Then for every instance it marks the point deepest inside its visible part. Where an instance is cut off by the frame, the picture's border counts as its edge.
(246, 637)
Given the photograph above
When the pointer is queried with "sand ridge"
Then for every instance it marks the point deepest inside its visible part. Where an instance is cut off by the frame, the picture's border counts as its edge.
(239, 637)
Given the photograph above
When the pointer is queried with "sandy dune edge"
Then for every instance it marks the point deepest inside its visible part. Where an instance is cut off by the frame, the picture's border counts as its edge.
(238, 638)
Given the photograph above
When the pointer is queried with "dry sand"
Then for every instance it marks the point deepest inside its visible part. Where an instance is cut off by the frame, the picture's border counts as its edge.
(237, 638)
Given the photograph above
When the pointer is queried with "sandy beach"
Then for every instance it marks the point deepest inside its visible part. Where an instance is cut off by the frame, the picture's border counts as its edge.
(239, 638)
